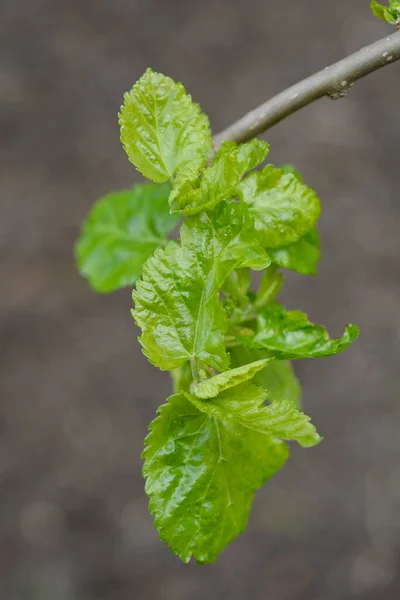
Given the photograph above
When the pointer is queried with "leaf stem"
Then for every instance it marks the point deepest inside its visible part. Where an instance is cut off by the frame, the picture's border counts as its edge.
(195, 369)
(334, 81)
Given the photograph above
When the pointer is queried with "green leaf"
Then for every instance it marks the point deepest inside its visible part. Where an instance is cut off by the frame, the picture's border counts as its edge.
(177, 298)
(389, 14)
(162, 130)
(284, 209)
(277, 377)
(182, 378)
(270, 285)
(204, 460)
(209, 388)
(218, 182)
(292, 169)
(290, 335)
(395, 8)
(237, 285)
(242, 308)
(301, 256)
(122, 230)
(244, 405)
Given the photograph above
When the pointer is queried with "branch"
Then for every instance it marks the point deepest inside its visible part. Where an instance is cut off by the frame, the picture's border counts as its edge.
(334, 82)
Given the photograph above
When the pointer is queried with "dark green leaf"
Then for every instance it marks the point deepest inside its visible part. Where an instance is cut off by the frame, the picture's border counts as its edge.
(121, 232)
(162, 130)
(204, 460)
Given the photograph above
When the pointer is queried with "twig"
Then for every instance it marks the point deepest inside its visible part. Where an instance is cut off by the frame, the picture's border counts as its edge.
(334, 82)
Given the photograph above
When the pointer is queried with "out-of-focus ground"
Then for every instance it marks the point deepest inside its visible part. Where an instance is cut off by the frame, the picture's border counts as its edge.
(76, 393)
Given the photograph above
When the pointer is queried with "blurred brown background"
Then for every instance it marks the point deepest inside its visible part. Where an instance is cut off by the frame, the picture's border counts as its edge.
(77, 394)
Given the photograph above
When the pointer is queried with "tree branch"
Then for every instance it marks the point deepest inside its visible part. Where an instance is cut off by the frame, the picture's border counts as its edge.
(334, 82)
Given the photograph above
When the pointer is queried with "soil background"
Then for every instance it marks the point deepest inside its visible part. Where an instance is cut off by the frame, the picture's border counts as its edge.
(76, 394)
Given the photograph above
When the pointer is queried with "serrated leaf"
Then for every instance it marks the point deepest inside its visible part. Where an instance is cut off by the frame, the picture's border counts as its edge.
(390, 14)
(277, 377)
(283, 208)
(204, 460)
(210, 388)
(290, 335)
(302, 256)
(122, 230)
(245, 405)
(177, 298)
(162, 130)
(219, 181)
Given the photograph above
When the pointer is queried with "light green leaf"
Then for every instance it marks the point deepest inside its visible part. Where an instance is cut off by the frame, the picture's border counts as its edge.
(290, 335)
(237, 285)
(204, 460)
(277, 377)
(301, 256)
(292, 169)
(177, 298)
(395, 8)
(209, 388)
(389, 14)
(244, 405)
(218, 182)
(122, 230)
(270, 285)
(162, 130)
(182, 378)
(242, 308)
(284, 209)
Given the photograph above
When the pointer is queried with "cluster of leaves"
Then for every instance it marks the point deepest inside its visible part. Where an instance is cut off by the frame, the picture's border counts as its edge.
(222, 434)
(390, 13)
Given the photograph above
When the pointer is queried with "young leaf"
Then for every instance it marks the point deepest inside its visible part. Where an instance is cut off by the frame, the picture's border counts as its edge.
(277, 377)
(122, 230)
(292, 169)
(177, 298)
(162, 130)
(395, 8)
(284, 209)
(209, 388)
(270, 285)
(237, 285)
(390, 14)
(182, 378)
(219, 181)
(204, 460)
(290, 335)
(244, 405)
(301, 256)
